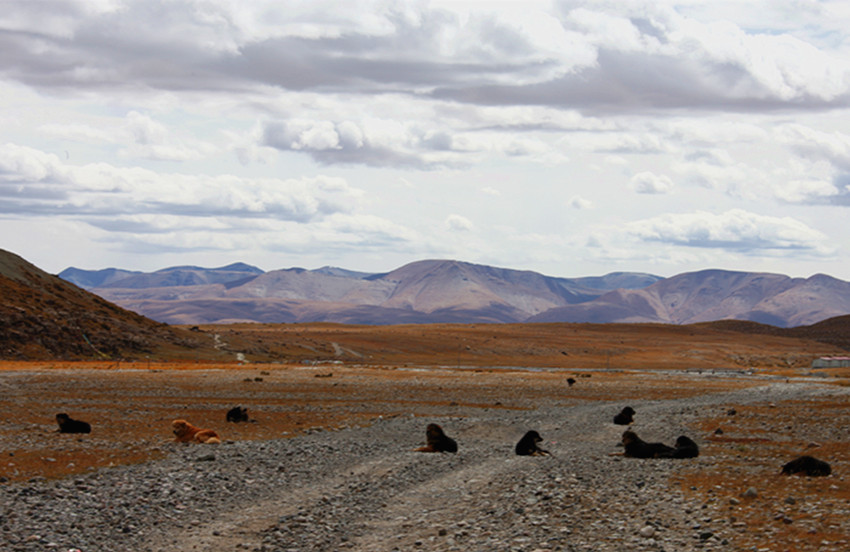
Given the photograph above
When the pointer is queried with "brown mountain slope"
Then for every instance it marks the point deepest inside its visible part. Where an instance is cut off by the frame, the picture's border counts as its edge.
(45, 317)
(833, 331)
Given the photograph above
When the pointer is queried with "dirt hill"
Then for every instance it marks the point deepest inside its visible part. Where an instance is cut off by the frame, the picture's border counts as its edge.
(45, 317)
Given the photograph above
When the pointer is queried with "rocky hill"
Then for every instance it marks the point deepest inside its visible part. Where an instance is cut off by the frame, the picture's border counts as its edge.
(45, 317)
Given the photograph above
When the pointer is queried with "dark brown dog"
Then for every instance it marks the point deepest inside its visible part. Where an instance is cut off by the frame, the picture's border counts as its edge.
(625, 417)
(635, 447)
(437, 441)
(237, 414)
(685, 448)
(807, 465)
(528, 445)
(69, 425)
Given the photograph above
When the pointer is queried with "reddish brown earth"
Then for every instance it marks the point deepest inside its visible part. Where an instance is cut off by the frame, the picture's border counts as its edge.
(621, 346)
(131, 408)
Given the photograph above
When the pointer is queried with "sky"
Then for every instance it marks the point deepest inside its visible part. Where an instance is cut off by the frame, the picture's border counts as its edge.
(571, 138)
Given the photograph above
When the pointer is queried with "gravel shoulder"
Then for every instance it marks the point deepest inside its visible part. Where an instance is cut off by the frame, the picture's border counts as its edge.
(364, 489)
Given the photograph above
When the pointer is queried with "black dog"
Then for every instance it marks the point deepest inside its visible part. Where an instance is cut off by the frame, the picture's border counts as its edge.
(807, 465)
(68, 425)
(527, 446)
(685, 448)
(638, 448)
(625, 416)
(237, 414)
(437, 440)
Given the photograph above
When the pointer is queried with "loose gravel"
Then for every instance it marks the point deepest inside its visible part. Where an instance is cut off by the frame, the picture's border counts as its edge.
(364, 489)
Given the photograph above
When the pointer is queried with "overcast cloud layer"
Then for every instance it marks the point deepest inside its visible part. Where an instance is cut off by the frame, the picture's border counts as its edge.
(572, 138)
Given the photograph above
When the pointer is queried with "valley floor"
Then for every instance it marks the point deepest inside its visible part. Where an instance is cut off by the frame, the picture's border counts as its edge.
(329, 463)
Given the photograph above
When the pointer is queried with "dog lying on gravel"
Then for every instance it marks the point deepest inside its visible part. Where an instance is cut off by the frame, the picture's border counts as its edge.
(237, 414)
(685, 448)
(69, 425)
(807, 465)
(625, 417)
(185, 432)
(437, 441)
(635, 447)
(528, 445)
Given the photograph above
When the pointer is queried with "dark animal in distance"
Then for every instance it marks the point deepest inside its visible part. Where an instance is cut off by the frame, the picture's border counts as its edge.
(69, 425)
(528, 445)
(685, 448)
(571, 381)
(437, 441)
(635, 447)
(625, 417)
(237, 414)
(807, 465)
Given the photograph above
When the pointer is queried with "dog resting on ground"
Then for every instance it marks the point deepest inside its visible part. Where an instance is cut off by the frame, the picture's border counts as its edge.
(625, 416)
(69, 425)
(184, 432)
(807, 465)
(685, 448)
(635, 447)
(527, 446)
(237, 414)
(437, 441)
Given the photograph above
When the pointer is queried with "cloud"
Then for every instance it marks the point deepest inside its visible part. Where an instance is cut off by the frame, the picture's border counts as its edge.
(650, 183)
(652, 56)
(812, 143)
(734, 230)
(457, 223)
(32, 181)
(375, 143)
(579, 203)
(585, 55)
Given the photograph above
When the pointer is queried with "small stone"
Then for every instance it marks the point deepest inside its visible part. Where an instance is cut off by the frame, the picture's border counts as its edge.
(750, 493)
(647, 531)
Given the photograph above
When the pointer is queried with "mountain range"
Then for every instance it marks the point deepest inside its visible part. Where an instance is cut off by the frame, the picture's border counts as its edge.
(440, 291)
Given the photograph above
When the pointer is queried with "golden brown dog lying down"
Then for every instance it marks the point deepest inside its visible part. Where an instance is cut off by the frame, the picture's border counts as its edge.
(185, 432)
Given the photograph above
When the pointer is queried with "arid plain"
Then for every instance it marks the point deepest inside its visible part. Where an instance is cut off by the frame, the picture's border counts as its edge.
(296, 379)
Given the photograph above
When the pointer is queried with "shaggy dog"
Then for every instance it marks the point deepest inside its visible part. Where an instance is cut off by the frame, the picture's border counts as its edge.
(184, 432)
(237, 414)
(807, 465)
(527, 446)
(437, 441)
(638, 448)
(68, 425)
(625, 416)
(685, 448)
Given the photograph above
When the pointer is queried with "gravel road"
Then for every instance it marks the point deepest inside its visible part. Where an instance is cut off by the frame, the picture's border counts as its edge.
(364, 489)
